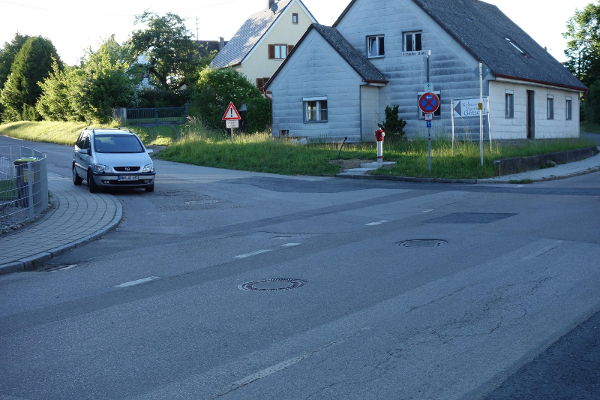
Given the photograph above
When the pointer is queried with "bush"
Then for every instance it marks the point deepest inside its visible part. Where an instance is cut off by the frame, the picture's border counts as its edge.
(217, 87)
(392, 126)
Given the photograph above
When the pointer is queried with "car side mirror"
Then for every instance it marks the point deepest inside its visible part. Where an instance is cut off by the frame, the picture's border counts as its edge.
(85, 151)
(149, 151)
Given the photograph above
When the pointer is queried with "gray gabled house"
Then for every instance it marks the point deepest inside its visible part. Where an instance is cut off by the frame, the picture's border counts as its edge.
(338, 80)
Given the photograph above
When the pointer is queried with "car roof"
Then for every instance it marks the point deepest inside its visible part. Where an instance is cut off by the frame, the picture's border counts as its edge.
(110, 131)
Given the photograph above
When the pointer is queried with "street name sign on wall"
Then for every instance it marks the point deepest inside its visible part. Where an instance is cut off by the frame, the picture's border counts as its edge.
(468, 108)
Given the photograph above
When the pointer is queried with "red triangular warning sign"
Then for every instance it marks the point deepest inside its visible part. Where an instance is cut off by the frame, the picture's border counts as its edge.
(231, 113)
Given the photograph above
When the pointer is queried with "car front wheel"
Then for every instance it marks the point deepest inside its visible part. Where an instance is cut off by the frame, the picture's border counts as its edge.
(76, 178)
(91, 183)
(150, 188)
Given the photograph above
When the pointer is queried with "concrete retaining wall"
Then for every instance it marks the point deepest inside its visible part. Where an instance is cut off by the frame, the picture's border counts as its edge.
(515, 165)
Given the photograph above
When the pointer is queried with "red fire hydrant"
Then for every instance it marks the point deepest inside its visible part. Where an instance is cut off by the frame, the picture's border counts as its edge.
(379, 135)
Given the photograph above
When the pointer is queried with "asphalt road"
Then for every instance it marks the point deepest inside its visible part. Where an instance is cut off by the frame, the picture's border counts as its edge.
(385, 290)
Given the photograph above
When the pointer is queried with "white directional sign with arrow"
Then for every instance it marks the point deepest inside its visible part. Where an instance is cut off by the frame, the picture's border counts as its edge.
(468, 108)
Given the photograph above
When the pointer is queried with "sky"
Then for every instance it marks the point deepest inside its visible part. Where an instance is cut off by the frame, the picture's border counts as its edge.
(75, 25)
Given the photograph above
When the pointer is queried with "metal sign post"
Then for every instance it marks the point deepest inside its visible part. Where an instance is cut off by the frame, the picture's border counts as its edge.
(452, 116)
(429, 103)
(481, 111)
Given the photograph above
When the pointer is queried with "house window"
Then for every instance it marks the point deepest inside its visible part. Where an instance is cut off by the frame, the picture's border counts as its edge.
(261, 82)
(375, 46)
(509, 101)
(294, 18)
(569, 111)
(412, 41)
(438, 113)
(278, 51)
(315, 109)
(550, 107)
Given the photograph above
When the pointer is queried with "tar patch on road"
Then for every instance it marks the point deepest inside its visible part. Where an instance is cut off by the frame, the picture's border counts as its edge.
(470, 218)
(569, 369)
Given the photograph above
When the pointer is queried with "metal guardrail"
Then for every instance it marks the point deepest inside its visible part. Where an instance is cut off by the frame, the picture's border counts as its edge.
(23, 185)
(156, 116)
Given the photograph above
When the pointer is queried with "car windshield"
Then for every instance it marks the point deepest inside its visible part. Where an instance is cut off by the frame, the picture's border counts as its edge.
(117, 144)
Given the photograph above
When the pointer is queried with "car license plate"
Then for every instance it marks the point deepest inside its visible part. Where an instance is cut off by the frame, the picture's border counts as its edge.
(128, 177)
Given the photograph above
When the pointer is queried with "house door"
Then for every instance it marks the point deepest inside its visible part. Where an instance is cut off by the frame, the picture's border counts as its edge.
(530, 114)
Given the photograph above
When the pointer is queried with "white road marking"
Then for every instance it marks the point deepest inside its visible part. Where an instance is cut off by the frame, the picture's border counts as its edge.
(285, 364)
(291, 244)
(383, 221)
(138, 282)
(254, 253)
(427, 211)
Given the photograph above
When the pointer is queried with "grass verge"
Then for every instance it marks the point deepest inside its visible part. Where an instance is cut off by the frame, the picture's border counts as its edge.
(261, 153)
(67, 132)
(194, 144)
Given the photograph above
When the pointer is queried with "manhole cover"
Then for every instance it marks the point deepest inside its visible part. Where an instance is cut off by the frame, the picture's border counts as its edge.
(273, 284)
(423, 243)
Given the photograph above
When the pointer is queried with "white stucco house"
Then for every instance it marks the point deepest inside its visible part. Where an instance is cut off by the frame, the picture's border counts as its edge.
(338, 80)
(265, 40)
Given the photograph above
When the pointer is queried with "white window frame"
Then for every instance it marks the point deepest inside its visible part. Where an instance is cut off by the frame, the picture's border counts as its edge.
(569, 109)
(509, 104)
(379, 50)
(280, 51)
(550, 107)
(413, 41)
(321, 110)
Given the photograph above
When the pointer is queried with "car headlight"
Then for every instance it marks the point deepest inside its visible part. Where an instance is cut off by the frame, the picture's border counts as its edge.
(101, 168)
(148, 168)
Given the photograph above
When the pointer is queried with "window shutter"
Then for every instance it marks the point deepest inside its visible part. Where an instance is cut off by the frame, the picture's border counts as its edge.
(260, 82)
(271, 51)
(290, 48)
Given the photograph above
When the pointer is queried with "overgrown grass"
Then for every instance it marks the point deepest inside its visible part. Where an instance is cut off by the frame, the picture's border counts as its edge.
(194, 144)
(261, 153)
(67, 132)
(162, 135)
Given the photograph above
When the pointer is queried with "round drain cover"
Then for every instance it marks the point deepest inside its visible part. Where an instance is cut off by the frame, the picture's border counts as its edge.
(422, 243)
(273, 284)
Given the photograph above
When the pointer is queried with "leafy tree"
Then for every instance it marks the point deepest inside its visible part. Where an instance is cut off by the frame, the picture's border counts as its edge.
(55, 102)
(21, 91)
(7, 57)
(392, 126)
(167, 52)
(583, 44)
(592, 103)
(8, 54)
(105, 80)
(217, 87)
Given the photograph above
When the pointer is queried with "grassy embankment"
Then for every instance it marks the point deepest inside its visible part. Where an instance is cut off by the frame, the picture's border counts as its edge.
(67, 132)
(261, 153)
(587, 126)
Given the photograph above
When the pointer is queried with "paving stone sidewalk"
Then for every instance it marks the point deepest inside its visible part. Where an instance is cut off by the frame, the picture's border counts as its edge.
(75, 217)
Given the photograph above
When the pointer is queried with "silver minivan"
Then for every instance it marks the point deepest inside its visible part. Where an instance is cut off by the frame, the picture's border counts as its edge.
(112, 158)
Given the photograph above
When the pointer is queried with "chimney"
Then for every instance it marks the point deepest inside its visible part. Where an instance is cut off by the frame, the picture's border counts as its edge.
(221, 43)
(270, 4)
